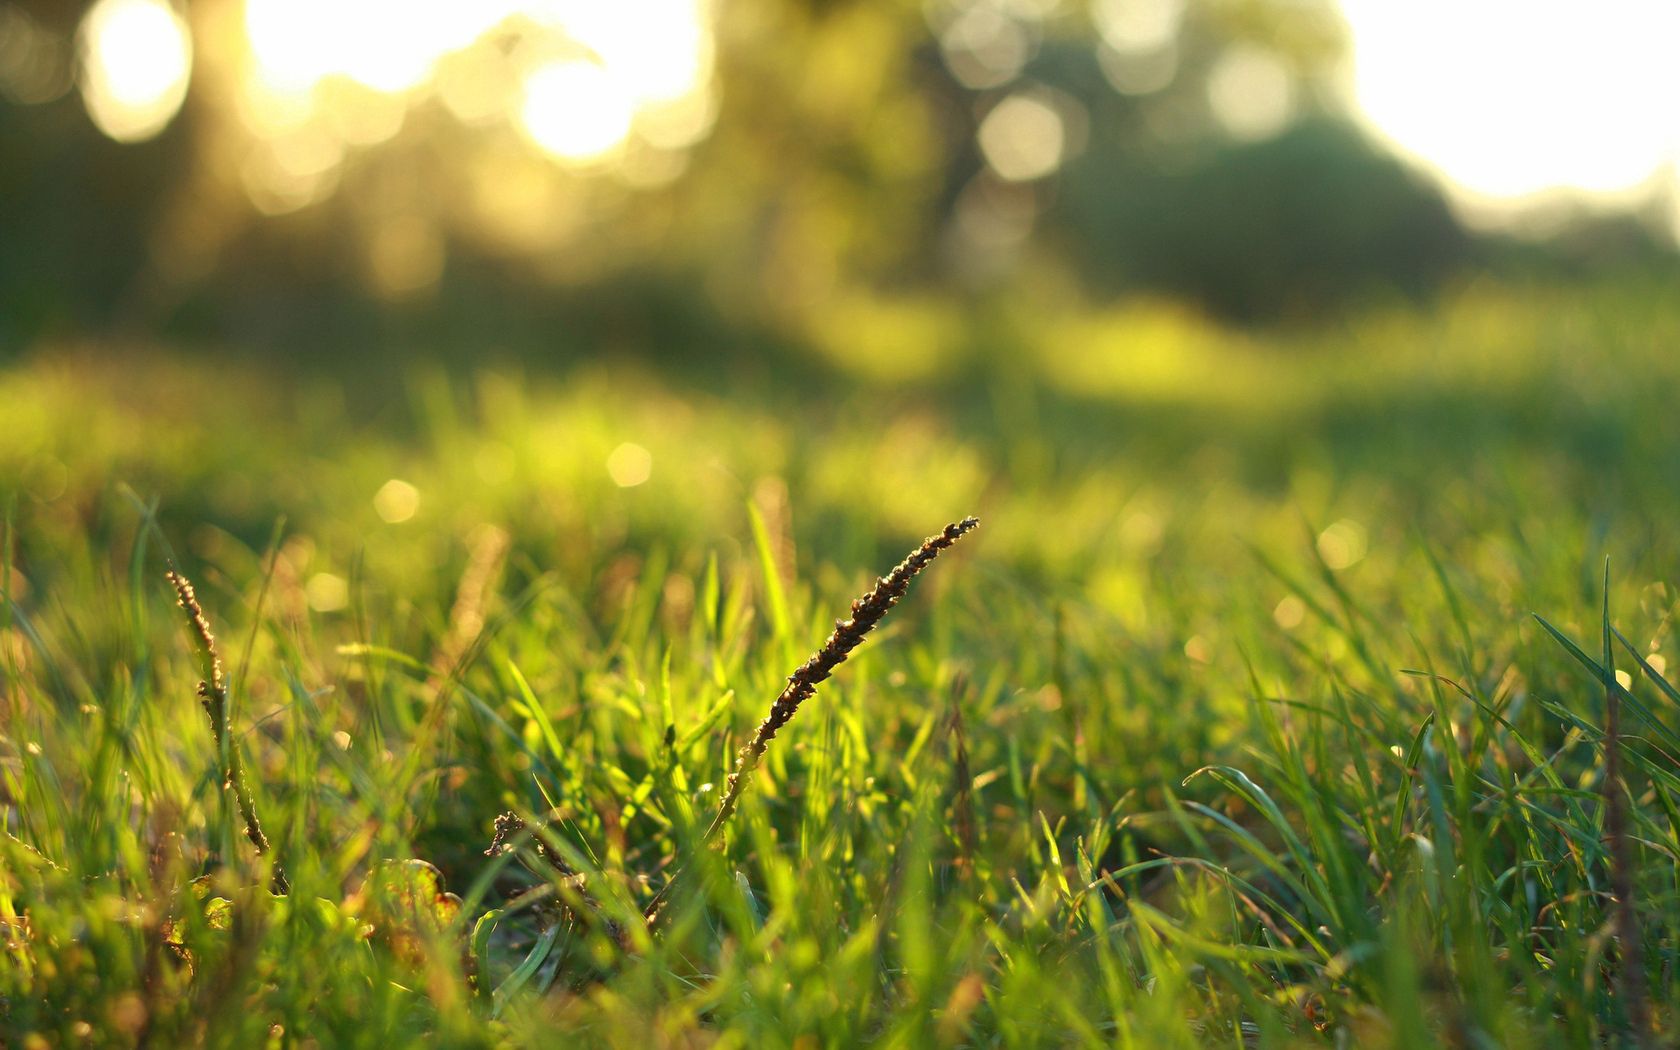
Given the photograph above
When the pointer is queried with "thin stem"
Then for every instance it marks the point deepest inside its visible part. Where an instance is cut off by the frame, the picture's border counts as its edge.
(802, 684)
(213, 694)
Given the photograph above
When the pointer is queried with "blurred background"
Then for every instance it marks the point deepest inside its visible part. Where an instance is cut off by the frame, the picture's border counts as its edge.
(1177, 275)
(863, 186)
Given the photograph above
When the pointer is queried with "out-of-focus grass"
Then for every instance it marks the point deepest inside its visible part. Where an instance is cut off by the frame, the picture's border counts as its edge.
(1216, 792)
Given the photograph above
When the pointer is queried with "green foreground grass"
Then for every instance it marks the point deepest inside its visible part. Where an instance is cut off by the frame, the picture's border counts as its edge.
(1231, 724)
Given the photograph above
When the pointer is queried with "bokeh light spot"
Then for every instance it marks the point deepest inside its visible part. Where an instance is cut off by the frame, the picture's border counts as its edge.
(1023, 138)
(1251, 93)
(327, 592)
(629, 465)
(1138, 26)
(396, 501)
(136, 60)
(1342, 544)
(34, 61)
(1138, 72)
(984, 47)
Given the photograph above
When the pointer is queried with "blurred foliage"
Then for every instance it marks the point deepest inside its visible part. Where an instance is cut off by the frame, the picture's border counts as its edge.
(1290, 226)
(842, 166)
(840, 194)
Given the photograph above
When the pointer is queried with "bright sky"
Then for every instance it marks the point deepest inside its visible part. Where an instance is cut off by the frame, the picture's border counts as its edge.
(1507, 99)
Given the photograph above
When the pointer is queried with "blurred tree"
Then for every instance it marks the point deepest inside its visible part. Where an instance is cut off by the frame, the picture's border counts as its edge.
(76, 209)
(830, 151)
(1286, 226)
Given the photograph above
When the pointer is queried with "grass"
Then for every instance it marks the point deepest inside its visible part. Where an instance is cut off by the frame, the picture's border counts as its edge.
(1233, 725)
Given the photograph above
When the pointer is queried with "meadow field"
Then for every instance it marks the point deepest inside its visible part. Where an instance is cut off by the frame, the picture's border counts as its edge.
(1297, 688)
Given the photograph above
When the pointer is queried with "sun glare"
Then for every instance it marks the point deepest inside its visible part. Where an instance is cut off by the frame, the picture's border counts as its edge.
(1508, 98)
(661, 49)
(576, 110)
(136, 59)
(577, 80)
(386, 45)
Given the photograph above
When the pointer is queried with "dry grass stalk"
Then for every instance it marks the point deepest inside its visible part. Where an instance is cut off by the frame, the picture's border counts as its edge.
(867, 611)
(213, 693)
(472, 598)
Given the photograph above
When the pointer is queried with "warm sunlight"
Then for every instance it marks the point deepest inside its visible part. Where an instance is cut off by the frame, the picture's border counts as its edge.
(136, 58)
(491, 547)
(576, 110)
(578, 80)
(1508, 99)
(385, 45)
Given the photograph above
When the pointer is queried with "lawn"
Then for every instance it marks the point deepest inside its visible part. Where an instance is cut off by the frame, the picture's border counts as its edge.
(1268, 704)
